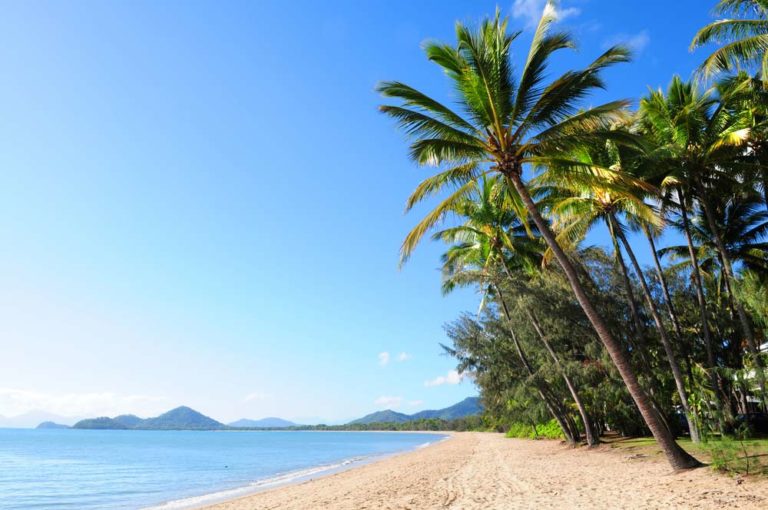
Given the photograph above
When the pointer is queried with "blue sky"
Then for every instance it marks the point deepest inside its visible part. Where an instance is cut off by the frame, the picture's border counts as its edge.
(200, 204)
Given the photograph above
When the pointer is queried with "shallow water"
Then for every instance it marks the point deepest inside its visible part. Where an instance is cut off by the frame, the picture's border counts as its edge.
(106, 469)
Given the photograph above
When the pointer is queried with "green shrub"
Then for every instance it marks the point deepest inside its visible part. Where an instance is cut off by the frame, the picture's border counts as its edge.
(548, 430)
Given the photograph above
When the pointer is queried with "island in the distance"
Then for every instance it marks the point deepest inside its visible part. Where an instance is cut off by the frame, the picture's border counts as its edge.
(185, 418)
(51, 425)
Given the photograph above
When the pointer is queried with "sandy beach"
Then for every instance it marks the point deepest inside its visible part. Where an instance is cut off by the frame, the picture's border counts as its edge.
(488, 471)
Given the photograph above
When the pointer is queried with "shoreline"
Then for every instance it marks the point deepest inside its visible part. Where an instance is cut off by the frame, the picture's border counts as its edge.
(288, 479)
(479, 471)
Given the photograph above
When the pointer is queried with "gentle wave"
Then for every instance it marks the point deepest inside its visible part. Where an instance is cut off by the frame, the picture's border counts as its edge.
(259, 485)
(280, 479)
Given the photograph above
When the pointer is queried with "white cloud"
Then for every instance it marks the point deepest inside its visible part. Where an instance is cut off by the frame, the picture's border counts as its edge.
(383, 358)
(403, 356)
(531, 11)
(256, 395)
(452, 377)
(14, 401)
(388, 402)
(636, 42)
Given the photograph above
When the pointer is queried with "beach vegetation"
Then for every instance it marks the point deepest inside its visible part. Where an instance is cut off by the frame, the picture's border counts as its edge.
(526, 165)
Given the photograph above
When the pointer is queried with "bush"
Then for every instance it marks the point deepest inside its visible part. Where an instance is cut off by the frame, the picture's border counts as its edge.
(548, 430)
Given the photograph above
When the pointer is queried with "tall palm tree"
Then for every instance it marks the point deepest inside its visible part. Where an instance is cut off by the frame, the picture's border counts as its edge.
(697, 140)
(578, 208)
(493, 239)
(506, 125)
(479, 251)
(743, 226)
(747, 98)
(743, 36)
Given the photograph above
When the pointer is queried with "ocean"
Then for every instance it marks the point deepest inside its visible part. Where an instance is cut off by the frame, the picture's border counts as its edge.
(169, 470)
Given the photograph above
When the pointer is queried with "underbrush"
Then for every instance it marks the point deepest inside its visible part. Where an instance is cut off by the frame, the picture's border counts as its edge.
(738, 456)
(548, 430)
(735, 456)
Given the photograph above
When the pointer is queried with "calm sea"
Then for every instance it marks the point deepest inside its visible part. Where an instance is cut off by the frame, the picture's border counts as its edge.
(105, 469)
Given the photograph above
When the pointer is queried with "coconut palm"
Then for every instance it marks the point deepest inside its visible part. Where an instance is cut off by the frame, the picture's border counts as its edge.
(576, 209)
(698, 142)
(743, 226)
(743, 36)
(747, 98)
(490, 242)
(493, 236)
(504, 125)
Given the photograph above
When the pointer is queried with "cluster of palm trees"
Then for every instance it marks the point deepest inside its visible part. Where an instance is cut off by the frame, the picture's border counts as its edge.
(525, 172)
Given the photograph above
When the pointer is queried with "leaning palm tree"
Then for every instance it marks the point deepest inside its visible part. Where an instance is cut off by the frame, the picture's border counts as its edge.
(493, 240)
(505, 125)
(490, 242)
(577, 209)
(697, 142)
(743, 224)
(743, 36)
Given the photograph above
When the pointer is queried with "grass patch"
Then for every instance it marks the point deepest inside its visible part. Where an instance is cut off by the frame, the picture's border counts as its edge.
(549, 430)
(734, 456)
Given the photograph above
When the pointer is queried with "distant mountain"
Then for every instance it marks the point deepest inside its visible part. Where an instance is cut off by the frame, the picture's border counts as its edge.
(468, 407)
(32, 419)
(388, 416)
(51, 425)
(181, 418)
(130, 421)
(102, 423)
(264, 423)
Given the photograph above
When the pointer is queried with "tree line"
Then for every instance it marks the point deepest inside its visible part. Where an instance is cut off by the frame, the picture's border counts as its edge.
(463, 424)
(524, 171)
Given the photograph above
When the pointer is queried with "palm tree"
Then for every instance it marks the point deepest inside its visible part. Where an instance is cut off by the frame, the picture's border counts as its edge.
(506, 125)
(743, 37)
(698, 141)
(741, 225)
(476, 255)
(578, 208)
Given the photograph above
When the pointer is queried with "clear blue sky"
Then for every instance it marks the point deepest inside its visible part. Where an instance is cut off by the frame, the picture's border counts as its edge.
(200, 204)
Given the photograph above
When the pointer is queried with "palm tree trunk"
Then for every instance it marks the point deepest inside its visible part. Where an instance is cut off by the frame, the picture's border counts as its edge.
(592, 439)
(542, 390)
(677, 374)
(665, 289)
(699, 284)
(677, 457)
(671, 310)
(731, 281)
(638, 324)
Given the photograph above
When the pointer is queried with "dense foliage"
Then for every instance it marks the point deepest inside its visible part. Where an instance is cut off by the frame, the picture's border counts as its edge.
(584, 336)
(434, 424)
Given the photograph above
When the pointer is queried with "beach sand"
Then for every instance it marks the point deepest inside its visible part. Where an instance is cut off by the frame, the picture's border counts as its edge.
(488, 471)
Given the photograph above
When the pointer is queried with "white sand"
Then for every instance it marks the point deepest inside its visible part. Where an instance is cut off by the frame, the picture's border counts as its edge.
(488, 471)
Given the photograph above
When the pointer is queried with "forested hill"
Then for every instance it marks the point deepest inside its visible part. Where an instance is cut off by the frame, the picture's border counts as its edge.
(468, 407)
(184, 418)
(181, 418)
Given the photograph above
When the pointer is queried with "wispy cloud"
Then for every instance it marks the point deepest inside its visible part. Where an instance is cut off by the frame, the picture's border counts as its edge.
(531, 10)
(14, 401)
(636, 42)
(388, 402)
(403, 356)
(383, 358)
(452, 377)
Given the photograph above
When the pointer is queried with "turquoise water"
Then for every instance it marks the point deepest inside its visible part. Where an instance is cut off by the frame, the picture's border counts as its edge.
(106, 469)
